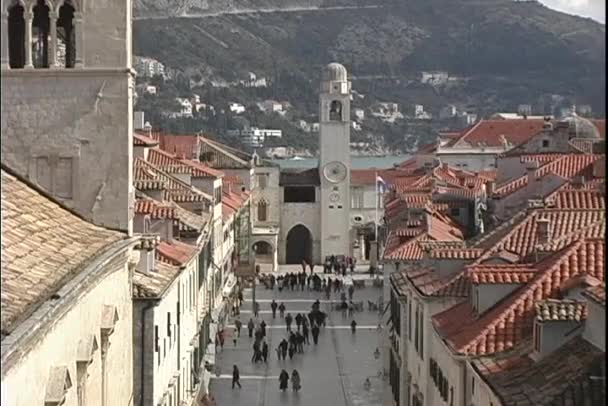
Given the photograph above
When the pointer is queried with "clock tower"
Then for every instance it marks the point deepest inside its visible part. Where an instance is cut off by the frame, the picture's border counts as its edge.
(334, 160)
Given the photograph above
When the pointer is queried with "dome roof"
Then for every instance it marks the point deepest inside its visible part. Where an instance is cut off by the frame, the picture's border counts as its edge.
(335, 72)
(580, 127)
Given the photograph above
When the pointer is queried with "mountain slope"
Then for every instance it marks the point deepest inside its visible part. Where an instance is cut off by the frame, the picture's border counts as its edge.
(503, 44)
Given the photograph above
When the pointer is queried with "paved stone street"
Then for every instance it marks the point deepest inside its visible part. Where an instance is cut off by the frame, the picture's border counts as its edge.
(332, 373)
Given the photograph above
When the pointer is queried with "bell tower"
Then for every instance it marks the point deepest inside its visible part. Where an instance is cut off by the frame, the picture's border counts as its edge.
(334, 160)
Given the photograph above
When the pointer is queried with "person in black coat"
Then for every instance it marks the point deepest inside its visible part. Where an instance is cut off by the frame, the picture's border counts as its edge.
(281, 310)
(288, 320)
(298, 320)
(274, 306)
(235, 377)
(265, 351)
(283, 345)
(283, 380)
(305, 332)
(263, 328)
(315, 333)
(250, 327)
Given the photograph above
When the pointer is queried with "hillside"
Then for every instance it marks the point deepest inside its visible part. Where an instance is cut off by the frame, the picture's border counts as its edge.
(504, 52)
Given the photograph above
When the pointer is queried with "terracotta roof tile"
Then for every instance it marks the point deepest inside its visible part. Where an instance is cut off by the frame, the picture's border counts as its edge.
(172, 164)
(175, 252)
(553, 380)
(399, 282)
(408, 251)
(43, 246)
(597, 294)
(361, 177)
(561, 310)
(501, 274)
(143, 140)
(522, 239)
(154, 209)
(183, 146)
(489, 132)
(147, 285)
(567, 166)
(578, 199)
(508, 322)
(178, 191)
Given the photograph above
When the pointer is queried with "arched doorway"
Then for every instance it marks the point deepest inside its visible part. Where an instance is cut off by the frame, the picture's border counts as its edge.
(263, 252)
(299, 245)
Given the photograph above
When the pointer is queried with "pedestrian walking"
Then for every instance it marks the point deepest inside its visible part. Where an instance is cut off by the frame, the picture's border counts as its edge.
(256, 351)
(250, 327)
(351, 309)
(315, 333)
(256, 309)
(263, 328)
(274, 306)
(351, 292)
(282, 310)
(288, 320)
(283, 380)
(305, 332)
(236, 376)
(298, 321)
(240, 297)
(265, 351)
(220, 335)
(238, 325)
(295, 381)
(299, 342)
(353, 326)
(283, 348)
(292, 350)
(304, 264)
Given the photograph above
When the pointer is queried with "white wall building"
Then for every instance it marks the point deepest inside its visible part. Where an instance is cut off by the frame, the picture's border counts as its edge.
(236, 108)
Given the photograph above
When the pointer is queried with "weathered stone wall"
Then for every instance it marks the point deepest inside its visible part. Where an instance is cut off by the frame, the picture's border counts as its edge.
(59, 345)
(81, 115)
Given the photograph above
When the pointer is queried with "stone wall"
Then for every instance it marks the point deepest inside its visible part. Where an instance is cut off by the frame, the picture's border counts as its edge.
(70, 131)
(58, 347)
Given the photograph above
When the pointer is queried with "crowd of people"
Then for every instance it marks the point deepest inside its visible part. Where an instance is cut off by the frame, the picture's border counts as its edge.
(306, 325)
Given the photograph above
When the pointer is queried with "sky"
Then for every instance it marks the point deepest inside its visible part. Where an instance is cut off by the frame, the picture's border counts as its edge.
(595, 9)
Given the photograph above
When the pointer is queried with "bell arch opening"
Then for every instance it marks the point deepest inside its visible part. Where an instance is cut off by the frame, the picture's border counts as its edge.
(299, 245)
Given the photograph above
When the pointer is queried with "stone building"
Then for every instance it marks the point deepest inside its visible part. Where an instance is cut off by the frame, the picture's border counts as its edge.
(68, 128)
(66, 303)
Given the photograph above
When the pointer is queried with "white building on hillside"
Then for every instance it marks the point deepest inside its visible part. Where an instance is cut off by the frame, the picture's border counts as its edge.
(237, 108)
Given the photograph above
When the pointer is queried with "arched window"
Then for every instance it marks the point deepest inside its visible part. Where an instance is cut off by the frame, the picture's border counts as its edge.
(335, 111)
(66, 36)
(16, 36)
(262, 210)
(41, 28)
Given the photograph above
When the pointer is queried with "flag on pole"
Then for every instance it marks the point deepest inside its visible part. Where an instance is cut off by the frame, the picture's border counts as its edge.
(381, 183)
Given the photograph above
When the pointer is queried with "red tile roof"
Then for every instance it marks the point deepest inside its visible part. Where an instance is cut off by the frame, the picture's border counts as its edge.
(407, 251)
(171, 164)
(509, 321)
(501, 274)
(363, 177)
(560, 310)
(567, 166)
(142, 140)
(456, 253)
(488, 132)
(519, 381)
(183, 146)
(522, 239)
(148, 176)
(154, 209)
(175, 252)
(578, 199)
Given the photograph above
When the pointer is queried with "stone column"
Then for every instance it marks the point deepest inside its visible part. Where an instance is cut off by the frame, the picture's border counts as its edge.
(373, 254)
(79, 34)
(29, 17)
(362, 247)
(53, 16)
(4, 38)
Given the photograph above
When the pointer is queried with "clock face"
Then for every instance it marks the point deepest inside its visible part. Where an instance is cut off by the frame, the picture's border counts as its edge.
(335, 172)
(334, 197)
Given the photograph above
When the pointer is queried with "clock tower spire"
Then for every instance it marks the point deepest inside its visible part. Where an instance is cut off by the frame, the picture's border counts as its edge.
(334, 160)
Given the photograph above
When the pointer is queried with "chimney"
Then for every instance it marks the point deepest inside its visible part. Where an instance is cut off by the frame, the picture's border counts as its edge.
(578, 181)
(543, 234)
(146, 261)
(490, 188)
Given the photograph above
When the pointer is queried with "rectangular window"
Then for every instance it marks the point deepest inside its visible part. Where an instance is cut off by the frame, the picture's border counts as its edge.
(169, 324)
(63, 178)
(409, 320)
(545, 143)
(299, 194)
(356, 198)
(416, 331)
(472, 385)
(262, 180)
(156, 348)
(421, 333)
